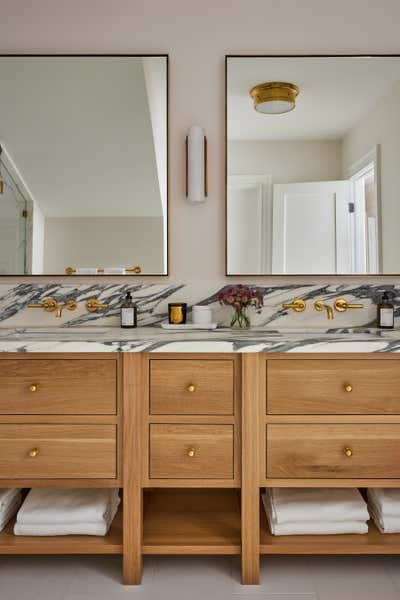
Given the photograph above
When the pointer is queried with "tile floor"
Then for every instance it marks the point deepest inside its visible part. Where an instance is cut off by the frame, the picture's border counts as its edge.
(195, 578)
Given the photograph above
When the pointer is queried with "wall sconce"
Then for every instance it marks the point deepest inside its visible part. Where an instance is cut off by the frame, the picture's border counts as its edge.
(196, 165)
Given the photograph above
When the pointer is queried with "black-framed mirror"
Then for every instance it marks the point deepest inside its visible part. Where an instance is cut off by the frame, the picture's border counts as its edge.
(312, 164)
(84, 164)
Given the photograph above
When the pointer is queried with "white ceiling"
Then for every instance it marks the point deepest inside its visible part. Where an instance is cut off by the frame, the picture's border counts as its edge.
(335, 93)
(80, 133)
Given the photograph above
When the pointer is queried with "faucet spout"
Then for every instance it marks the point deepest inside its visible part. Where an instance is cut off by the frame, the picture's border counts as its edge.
(320, 305)
(70, 305)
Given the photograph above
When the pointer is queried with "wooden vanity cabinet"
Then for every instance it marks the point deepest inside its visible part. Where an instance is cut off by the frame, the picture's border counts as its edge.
(317, 420)
(183, 422)
(192, 439)
(61, 426)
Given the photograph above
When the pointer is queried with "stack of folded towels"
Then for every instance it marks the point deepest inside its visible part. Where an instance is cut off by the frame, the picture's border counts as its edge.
(67, 512)
(315, 511)
(384, 508)
(10, 500)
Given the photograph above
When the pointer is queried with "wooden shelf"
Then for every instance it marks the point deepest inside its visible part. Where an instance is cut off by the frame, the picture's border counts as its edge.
(191, 521)
(371, 543)
(63, 544)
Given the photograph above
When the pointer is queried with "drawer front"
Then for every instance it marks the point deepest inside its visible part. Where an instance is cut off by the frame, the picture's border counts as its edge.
(58, 451)
(333, 451)
(191, 451)
(191, 387)
(56, 387)
(333, 387)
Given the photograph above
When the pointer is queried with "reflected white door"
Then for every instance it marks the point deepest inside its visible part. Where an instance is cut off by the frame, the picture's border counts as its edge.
(311, 228)
(249, 224)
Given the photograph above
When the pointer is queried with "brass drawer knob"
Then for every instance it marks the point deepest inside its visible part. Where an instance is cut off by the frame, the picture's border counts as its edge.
(348, 388)
(191, 388)
(348, 452)
(34, 453)
(191, 452)
(33, 387)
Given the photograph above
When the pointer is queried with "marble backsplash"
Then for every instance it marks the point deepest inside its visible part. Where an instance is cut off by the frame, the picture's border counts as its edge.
(152, 301)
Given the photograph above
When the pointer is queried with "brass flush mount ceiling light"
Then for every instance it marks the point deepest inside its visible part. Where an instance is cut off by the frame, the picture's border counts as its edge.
(274, 97)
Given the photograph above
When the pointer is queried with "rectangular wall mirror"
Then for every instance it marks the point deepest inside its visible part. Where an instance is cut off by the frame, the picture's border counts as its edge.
(84, 165)
(313, 165)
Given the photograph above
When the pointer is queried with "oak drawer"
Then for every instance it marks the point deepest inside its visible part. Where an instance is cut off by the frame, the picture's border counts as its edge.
(181, 451)
(191, 387)
(333, 451)
(58, 451)
(333, 387)
(56, 387)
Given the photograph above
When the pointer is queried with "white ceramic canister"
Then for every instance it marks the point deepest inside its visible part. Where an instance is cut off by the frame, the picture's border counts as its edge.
(202, 315)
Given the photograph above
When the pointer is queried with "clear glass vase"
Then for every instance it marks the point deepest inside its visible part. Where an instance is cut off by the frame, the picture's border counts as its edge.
(240, 320)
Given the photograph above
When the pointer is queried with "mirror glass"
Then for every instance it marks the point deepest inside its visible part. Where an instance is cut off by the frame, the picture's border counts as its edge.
(313, 165)
(83, 165)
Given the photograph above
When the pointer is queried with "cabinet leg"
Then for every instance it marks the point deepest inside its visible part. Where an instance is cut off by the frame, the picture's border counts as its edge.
(251, 538)
(132, 538)
(251, 410)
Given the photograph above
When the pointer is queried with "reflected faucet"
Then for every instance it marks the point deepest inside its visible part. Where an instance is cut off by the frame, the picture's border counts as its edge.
(320, 305)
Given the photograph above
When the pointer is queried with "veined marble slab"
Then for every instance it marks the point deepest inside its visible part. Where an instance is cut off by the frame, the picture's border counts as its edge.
(152, 301)
(153, 339)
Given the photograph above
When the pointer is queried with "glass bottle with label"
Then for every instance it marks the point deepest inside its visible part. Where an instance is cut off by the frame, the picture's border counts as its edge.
(385, 312)
(128, 312)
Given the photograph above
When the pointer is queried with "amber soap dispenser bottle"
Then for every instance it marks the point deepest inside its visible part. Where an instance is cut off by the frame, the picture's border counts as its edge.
(385, 316)
(128, 312)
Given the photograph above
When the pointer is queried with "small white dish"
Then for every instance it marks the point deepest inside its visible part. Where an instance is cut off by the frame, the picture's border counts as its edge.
(189, 326)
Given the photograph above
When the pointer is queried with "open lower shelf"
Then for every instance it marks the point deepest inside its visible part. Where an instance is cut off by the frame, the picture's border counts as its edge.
(63, 544)
(371, 543)
(195, 521)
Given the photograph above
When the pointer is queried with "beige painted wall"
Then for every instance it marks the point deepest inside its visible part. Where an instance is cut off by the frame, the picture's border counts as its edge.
(197, 35)
(108, 242)
(287, 161)
(382, 126)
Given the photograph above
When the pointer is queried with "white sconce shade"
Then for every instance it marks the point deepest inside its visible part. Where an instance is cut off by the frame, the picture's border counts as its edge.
(196, 165)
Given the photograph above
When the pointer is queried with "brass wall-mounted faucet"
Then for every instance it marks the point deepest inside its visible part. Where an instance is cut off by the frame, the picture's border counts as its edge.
(70, 305)
(320, 305)
(51, 305)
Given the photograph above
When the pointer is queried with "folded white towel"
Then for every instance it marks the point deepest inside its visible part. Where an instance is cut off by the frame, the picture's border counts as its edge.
(7, 496)
(385, 524)
(290, 505)
(45, 529)
(386, 501)
(327, 527)
(8, 513)
(56, 506)
(60, 529)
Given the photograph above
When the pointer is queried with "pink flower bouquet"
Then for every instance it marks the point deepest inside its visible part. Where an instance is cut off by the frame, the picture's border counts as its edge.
(241, 297)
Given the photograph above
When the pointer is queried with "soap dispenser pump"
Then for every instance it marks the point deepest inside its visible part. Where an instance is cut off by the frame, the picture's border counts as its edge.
(128, 312)
(385, 312)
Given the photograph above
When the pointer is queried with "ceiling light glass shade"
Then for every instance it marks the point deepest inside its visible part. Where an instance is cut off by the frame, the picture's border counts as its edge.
(274, 97)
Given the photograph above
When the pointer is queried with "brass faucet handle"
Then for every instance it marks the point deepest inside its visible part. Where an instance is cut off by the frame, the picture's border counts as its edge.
(341, 305)
(297, 305)
(49, 304)
(93, 305)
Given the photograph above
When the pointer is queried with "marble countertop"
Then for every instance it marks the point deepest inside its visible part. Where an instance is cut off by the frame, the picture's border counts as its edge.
(155, 339)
